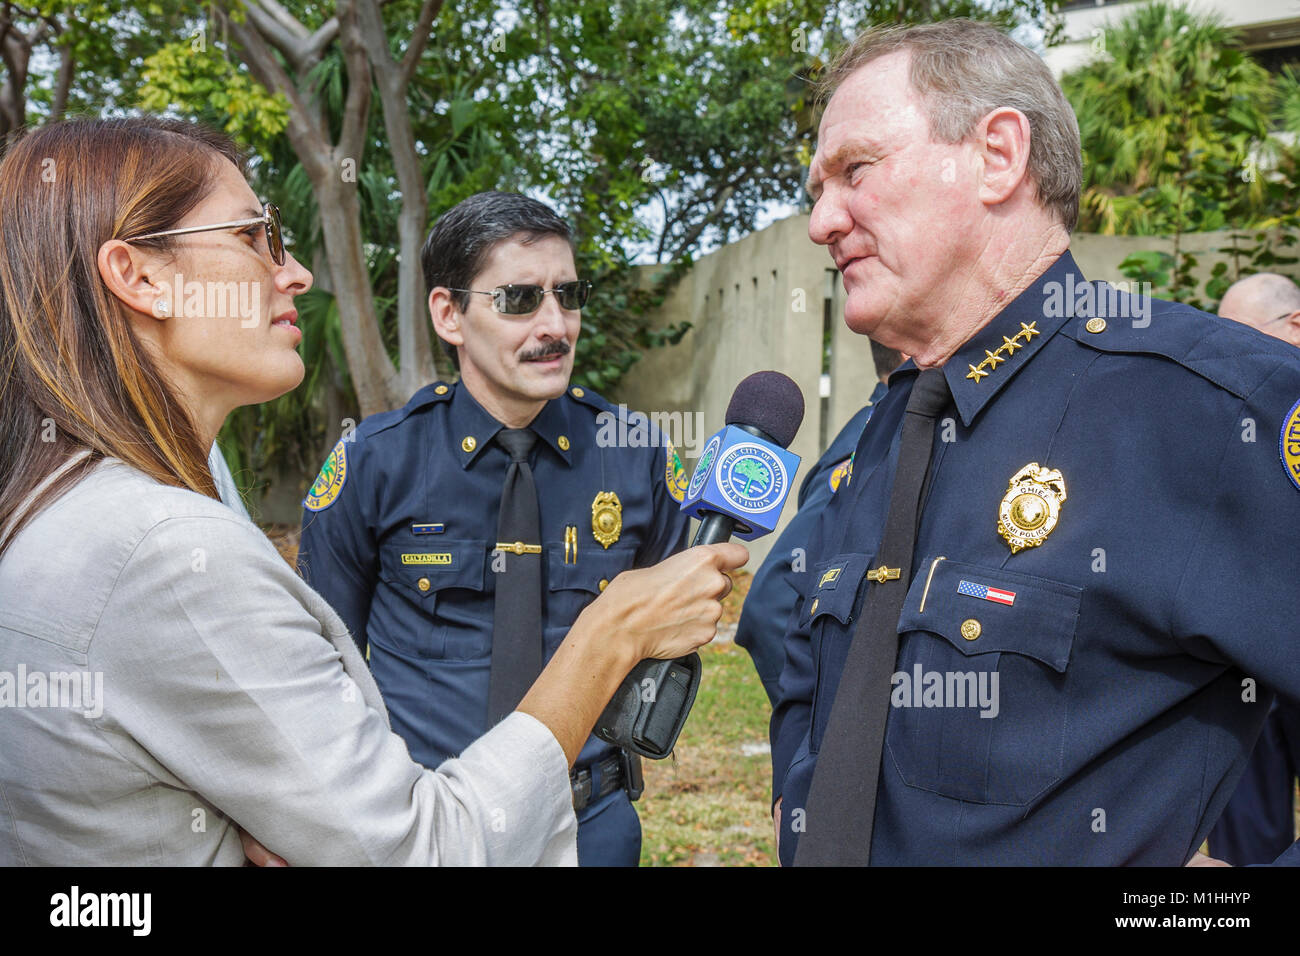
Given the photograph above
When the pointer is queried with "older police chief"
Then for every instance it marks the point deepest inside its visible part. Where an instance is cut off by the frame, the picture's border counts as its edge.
(1038, 611)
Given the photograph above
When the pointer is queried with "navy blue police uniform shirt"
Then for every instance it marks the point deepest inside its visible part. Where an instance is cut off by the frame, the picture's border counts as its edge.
(779, 581)
(1129, 649)
(399, 529)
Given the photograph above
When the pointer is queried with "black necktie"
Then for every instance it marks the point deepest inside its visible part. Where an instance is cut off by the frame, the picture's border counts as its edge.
(517, 611)
(842, 797)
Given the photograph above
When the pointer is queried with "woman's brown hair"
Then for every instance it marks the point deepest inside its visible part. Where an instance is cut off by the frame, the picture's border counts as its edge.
(73, 375)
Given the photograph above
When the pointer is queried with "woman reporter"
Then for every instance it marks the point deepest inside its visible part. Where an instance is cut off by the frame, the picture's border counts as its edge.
(169, 675)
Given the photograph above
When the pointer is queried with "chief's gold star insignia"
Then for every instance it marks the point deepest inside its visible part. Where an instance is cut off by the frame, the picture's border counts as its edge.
(976, 373)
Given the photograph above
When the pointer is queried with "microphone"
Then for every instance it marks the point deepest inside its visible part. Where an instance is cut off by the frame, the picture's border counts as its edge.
(739, 487)
(744, 474)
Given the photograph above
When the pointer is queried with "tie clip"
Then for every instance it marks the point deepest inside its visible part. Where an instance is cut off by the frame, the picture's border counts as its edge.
(518, 547)
(882, 574)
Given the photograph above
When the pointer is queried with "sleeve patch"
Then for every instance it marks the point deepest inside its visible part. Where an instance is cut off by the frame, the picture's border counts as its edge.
(675, 476)
(1290, 444)
(840, 472)
(329, 483)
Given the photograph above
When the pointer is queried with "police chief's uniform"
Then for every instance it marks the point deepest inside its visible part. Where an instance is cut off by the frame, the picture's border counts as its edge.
(779, 581)
(1157, 467)
(399, 532)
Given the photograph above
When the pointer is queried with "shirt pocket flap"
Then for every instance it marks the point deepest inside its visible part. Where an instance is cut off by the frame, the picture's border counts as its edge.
(428, 569)
(834, 587)
(981, 610)
(589, 570)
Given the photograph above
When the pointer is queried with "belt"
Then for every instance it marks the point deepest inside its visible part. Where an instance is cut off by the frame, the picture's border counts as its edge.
(619, 771)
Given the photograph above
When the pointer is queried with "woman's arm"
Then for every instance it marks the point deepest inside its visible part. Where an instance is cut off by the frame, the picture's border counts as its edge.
(665, 611)
(218, 679)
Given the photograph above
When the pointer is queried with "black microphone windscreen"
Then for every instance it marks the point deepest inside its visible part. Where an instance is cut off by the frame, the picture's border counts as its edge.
(768, 401)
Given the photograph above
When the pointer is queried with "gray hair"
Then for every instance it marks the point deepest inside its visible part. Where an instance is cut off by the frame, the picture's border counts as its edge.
(964, 70)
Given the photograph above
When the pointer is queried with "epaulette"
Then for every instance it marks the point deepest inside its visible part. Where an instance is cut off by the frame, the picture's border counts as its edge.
(1230, 355)
(431, 394)
(586, 396)
(333, 475)
(675, 476)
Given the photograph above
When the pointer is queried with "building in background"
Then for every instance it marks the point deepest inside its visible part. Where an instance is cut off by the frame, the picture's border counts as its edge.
(1268, 29)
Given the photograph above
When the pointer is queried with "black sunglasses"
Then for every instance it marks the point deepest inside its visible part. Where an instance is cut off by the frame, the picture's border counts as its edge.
(270, 218)
(526, 299)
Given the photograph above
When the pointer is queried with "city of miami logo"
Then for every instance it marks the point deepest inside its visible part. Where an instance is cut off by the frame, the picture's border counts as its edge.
(751, 477)
(702, 467)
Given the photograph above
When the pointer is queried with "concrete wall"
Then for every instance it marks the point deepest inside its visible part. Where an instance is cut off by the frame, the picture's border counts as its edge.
(758, 304)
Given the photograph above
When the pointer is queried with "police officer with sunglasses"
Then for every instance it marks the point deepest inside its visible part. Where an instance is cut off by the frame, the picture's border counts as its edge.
(460, 536)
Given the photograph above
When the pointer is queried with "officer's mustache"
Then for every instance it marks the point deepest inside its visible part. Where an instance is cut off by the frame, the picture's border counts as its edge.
(556, 348)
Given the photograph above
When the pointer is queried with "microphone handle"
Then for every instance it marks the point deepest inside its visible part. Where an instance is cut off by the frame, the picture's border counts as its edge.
(715, 527)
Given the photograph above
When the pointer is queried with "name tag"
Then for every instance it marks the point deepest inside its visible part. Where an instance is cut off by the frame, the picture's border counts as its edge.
(442, 558)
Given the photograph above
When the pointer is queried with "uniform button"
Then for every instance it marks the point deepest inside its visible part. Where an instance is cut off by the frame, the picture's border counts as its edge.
(603, 583)
(440, 390)
(577, 392)
(423, 584)
(468, 443)
(816, 601)
(563, 442)
(1095, 325)
(970, 629)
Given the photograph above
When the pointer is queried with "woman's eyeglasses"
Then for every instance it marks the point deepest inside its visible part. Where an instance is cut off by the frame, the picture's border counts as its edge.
(270, 218)
(526, 299)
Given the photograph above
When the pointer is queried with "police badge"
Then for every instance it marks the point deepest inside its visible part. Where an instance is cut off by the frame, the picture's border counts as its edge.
(606, 517)
(1031, 507)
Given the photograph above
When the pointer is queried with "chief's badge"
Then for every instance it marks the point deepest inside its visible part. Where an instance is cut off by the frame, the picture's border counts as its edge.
(1031, 507)
(675, 476)
(329, 482)
(1290, 444)
(606, 517)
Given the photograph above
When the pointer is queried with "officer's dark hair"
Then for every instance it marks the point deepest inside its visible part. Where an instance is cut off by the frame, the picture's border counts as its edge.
(965, 70)
(465, 235)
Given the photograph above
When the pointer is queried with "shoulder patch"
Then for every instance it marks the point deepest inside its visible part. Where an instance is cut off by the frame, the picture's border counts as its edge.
(1289, 444)
(675, 476)
(325, 489)
(841, 472)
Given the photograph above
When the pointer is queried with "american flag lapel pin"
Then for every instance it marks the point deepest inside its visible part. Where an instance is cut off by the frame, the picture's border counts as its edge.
(986, 593)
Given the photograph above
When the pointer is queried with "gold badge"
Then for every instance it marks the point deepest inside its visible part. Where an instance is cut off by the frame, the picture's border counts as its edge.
(606, 517)
(1031, 507)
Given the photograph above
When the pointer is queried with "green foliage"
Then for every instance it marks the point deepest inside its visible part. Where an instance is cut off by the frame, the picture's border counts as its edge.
(196, 73)
(1171, 118)
(1178, 136)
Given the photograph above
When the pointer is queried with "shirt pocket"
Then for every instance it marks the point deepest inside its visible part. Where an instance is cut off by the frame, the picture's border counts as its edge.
(420, 577)
(829, 612)
(571, 586)
(980, 700)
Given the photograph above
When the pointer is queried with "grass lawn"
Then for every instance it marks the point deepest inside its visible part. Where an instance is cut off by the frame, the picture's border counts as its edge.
(707, 805)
